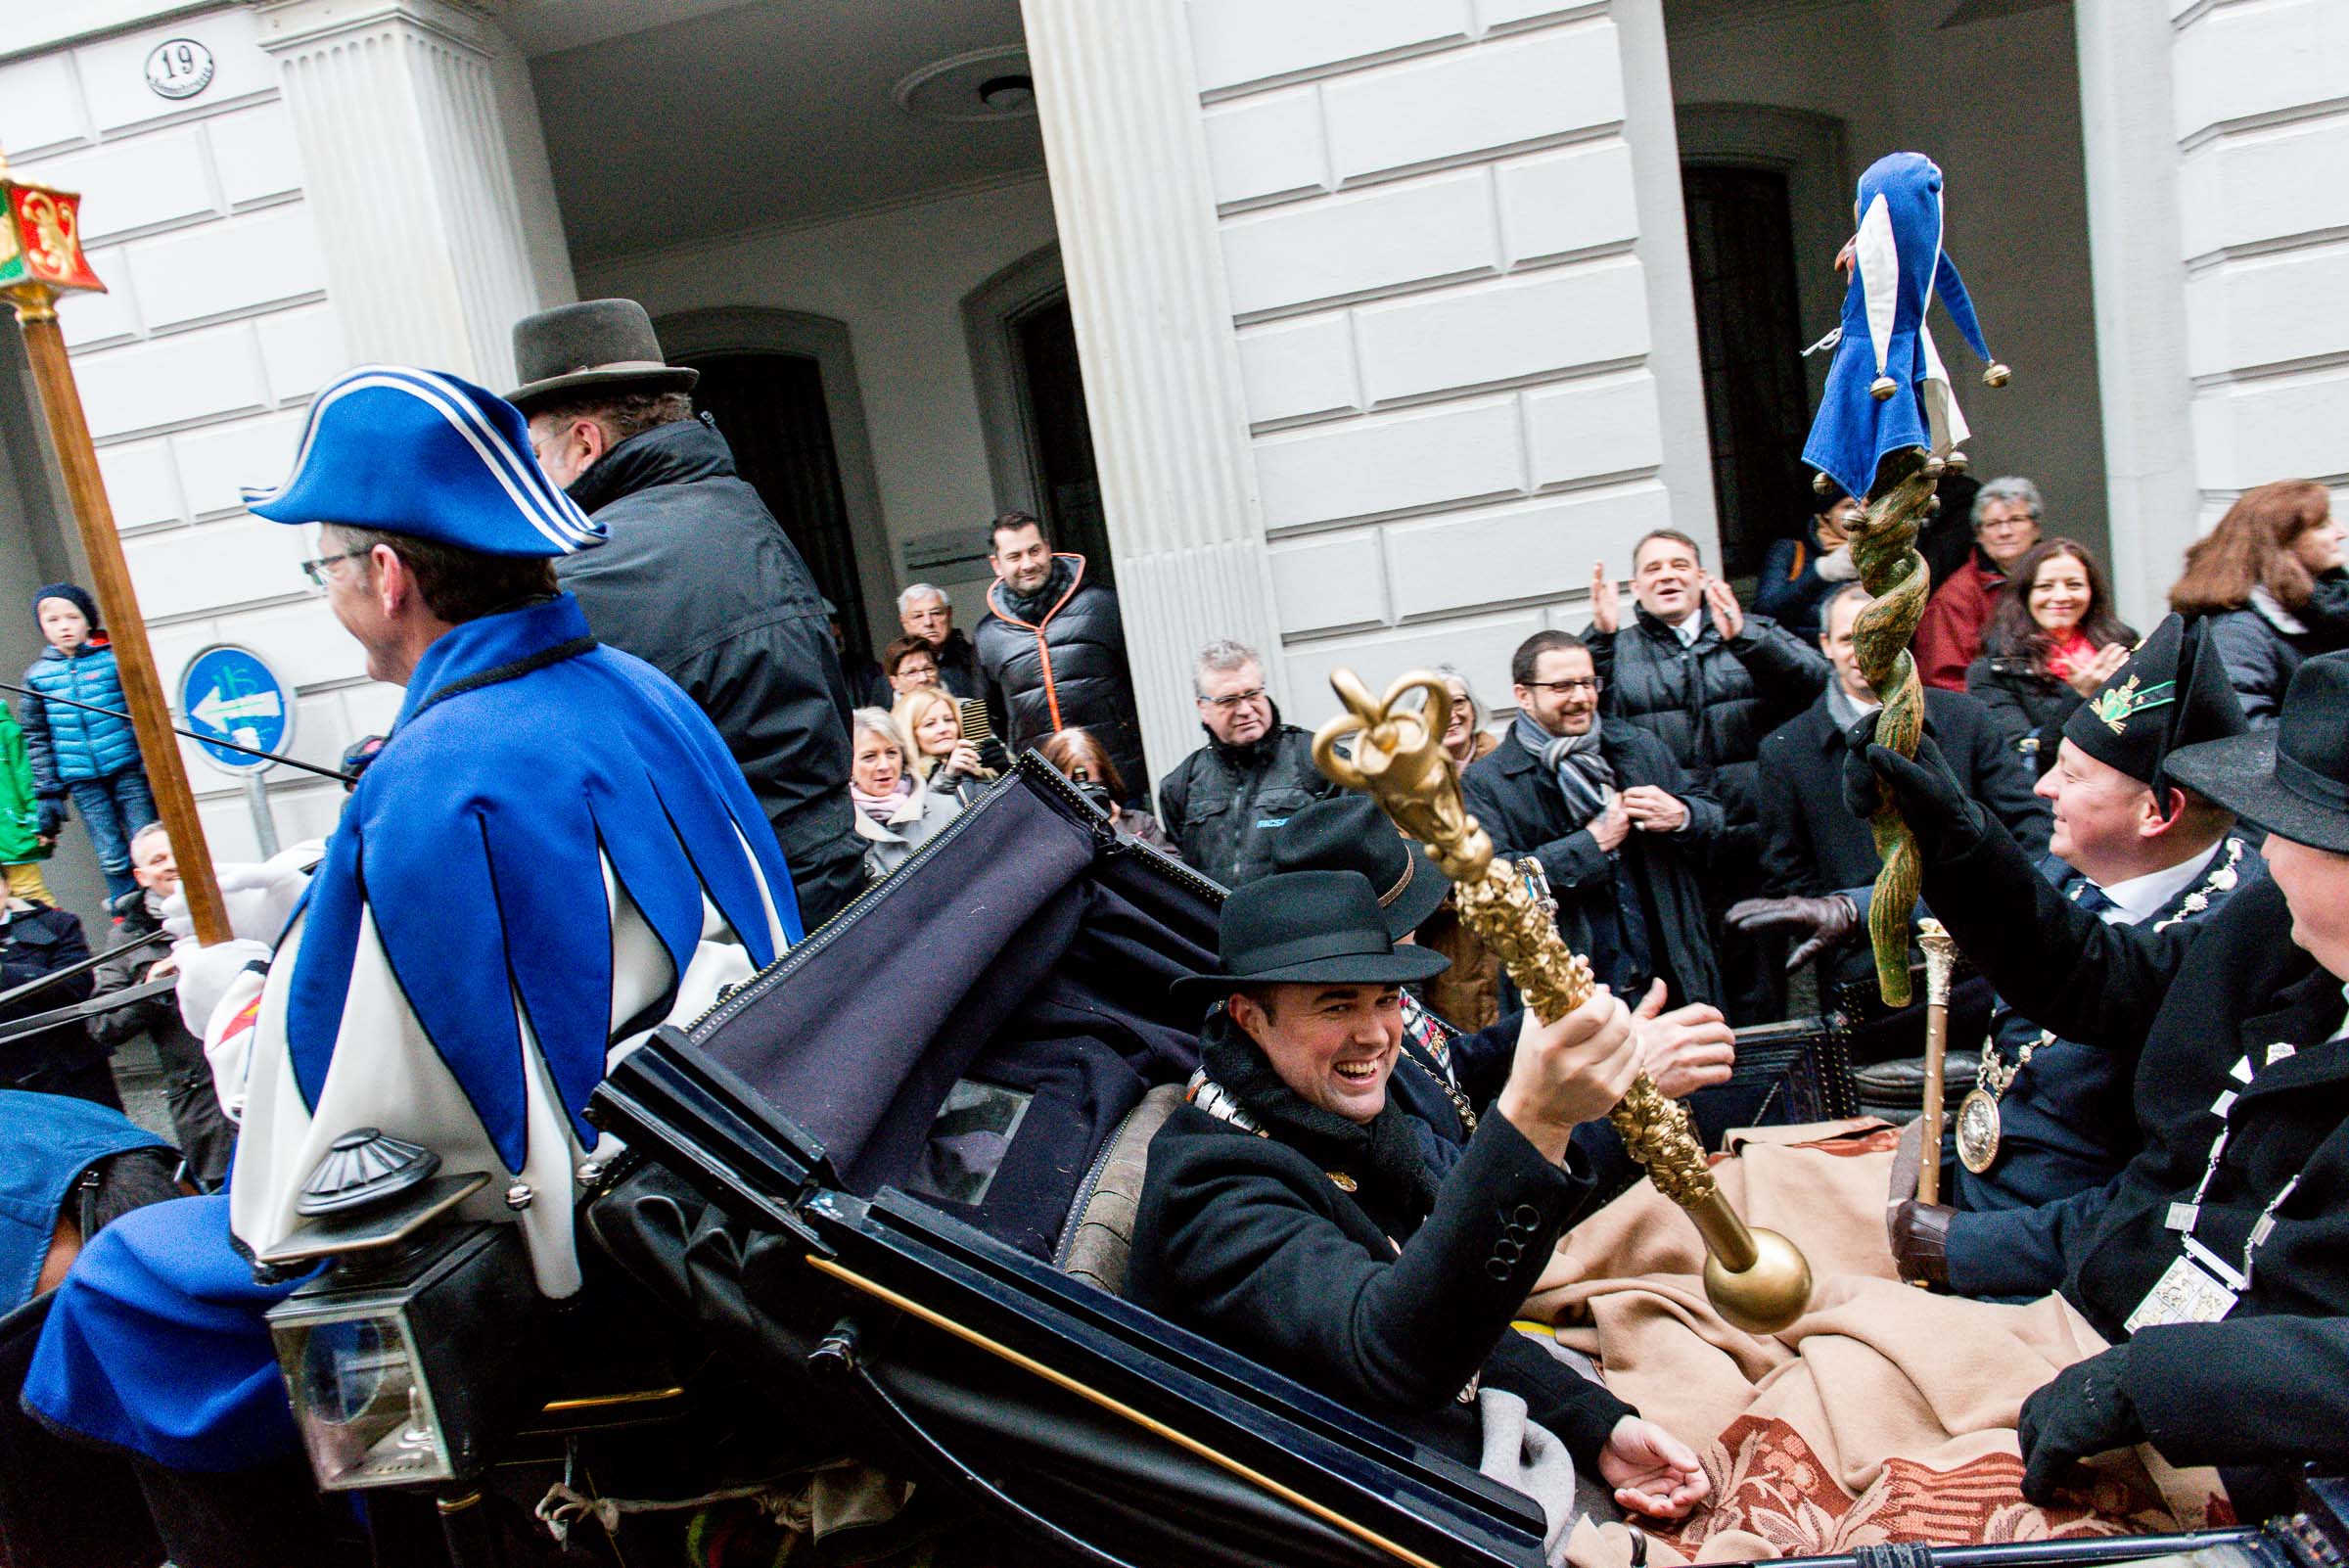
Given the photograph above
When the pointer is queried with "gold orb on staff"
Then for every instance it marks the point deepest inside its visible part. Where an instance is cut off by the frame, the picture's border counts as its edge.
(1756, 1279)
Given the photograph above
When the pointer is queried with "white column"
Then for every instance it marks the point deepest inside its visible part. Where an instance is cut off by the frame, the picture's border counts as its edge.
(2138, 282)
(1128, 154)
(424, 165)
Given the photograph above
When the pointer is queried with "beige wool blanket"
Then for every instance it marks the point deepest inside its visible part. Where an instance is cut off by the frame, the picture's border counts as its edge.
(1885, 1413)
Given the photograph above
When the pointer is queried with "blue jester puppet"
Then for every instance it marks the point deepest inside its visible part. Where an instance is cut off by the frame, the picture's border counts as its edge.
(1887, 387)
(552, 854)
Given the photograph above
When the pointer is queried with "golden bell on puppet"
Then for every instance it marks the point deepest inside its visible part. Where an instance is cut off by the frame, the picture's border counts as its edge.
(1756, 1279)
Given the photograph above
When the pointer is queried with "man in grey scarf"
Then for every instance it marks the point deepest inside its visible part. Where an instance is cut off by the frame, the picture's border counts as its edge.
(1617, 825)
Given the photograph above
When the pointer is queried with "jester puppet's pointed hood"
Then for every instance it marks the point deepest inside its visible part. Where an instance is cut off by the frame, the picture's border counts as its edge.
(1887, 389)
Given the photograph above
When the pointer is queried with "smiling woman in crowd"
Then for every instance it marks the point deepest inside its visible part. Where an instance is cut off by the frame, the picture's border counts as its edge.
(896, 812)
(2053, 640)
(942, 758)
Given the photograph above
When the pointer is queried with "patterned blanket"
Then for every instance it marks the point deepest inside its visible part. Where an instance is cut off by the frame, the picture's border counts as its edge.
(1885, 1413)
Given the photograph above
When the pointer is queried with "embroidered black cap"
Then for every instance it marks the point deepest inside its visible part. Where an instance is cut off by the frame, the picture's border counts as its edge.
(2172, 693)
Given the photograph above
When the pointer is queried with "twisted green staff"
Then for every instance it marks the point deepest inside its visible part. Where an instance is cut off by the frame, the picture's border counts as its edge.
(1884, 549)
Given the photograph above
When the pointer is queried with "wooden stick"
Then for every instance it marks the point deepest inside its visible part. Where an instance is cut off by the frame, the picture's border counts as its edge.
(142, 691)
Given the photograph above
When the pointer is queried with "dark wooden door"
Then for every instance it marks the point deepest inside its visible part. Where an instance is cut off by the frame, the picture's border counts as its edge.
(1750, 342)
(1060, 437)
(771, 409)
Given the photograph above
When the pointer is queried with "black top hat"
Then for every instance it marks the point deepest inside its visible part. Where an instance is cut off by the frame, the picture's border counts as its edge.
(1350, 833)
(596, 345)
(2293, 781)
(1309, 927)
(2172, 693)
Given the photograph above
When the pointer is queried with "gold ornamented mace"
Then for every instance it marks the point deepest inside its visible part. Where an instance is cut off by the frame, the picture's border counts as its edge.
(1757, 1280)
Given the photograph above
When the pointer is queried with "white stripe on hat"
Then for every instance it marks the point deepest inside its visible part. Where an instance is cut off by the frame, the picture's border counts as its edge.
(553, 521)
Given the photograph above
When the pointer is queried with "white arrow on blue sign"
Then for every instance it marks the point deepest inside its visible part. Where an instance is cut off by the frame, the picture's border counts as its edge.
(232, 692)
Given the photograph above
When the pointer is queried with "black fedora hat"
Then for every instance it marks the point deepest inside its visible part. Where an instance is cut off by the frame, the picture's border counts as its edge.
(1350, 833)
(2293, 781)
(1306, 927)
(594, 345)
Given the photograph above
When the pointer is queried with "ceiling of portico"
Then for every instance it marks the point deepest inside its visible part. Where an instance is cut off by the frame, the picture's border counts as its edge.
(719, 116)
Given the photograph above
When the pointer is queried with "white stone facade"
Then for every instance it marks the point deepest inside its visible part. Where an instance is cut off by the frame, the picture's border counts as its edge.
(1449, 310)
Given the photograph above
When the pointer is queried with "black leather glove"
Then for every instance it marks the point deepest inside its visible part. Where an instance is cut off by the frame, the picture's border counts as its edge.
(1920, 1240)
(1823, 922)
(2085, 1410)
(1932, 802)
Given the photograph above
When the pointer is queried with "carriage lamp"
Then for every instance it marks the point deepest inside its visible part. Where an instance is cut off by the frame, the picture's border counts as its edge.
(400, 1369)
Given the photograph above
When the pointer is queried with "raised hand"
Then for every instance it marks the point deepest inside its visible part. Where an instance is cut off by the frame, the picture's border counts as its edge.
(2086, 678)
(1606, 605)
(1569, 1072)
(1729, 616)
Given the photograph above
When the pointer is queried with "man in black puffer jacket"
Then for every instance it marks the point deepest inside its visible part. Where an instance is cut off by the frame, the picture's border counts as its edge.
(1222, 804)
(1709, 681)
(1054, 647)
(697, 578)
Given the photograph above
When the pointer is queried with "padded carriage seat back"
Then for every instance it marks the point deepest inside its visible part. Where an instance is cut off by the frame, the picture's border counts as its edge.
(1099, 1234)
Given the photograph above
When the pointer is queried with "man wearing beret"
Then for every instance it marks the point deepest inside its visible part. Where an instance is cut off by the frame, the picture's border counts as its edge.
(2042, 1138)
(2218, 1271)
(1298, 1213)
(551, 855)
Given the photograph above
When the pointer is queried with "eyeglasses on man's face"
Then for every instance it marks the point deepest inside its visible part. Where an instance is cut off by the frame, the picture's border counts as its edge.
(1233, 702)
(1594, 684)
(315, 570)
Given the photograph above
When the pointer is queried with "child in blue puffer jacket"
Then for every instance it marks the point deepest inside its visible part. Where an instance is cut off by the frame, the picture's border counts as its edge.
(92, 756)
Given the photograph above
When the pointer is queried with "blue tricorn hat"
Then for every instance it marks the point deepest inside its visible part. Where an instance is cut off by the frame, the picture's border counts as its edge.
(425, 454)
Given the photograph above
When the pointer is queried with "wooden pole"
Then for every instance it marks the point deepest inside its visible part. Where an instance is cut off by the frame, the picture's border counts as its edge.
(142, 690)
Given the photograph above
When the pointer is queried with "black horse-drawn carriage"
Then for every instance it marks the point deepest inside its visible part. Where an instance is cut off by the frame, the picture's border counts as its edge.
(863, 1256)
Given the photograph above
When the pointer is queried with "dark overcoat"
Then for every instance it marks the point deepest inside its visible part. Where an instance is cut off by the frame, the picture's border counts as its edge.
(1711, 702)
(2188, 1004)
(699, 580)
(2028, 705)
(1248, 1241)
(1812, 845)
(2066, 1123)
(1519, 804)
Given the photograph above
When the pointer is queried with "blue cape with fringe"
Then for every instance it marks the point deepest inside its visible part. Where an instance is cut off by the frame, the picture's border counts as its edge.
(482, 828)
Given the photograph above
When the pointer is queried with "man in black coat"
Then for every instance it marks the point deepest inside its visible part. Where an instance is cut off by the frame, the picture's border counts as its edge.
(1222, 804)
(2219, 1268)
(1623, 852)
(2040, 1142)
(1296, 1213)
(1818, 863)
(924, 611)
(1708, 680)
(1052, 646)
(697, 578)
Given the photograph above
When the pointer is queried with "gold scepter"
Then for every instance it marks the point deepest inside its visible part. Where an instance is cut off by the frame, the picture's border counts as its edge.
(41, 258)
(1941, 963)
(1756, 1279)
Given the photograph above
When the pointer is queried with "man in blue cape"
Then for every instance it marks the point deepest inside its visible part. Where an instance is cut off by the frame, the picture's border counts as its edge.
(552, 854)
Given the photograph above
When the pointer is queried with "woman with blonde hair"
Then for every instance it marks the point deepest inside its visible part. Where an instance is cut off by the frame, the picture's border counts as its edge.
(2269, 578)
(896, 812)
(931, 720)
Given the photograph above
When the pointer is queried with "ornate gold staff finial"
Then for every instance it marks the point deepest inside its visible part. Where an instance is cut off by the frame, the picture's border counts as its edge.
(1884, 549)
(1756, 1279)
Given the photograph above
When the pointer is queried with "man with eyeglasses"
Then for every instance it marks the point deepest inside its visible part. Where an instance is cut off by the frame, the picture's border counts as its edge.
(1619, 827)
(1223, 802)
